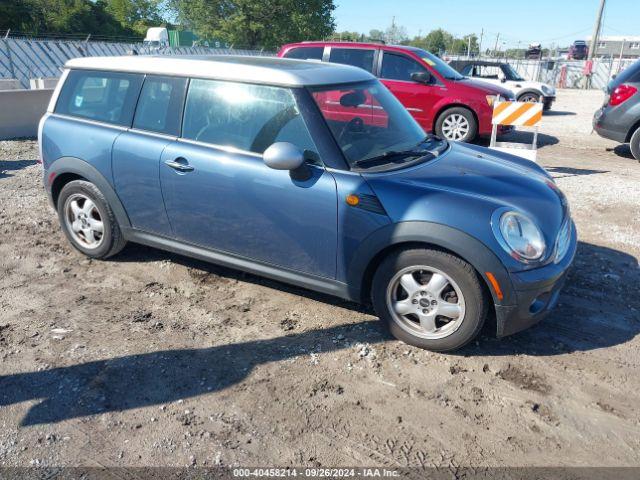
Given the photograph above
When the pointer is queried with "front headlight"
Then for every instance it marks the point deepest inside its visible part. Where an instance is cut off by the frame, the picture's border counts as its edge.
(519, 236)
(548, 91)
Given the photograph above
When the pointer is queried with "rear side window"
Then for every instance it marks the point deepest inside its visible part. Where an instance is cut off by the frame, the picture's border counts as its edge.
(160, 105)
(353, 56)
(399, 67)
(243, 116)
(305, 53)
(630, 74)
(102, 96)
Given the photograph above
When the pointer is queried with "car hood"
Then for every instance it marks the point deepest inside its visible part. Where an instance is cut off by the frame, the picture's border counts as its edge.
(465, 185)
(487, 88)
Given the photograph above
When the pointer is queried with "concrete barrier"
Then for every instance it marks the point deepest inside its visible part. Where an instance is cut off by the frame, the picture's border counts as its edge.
(20, 112)
(10, 84)
(40, 83)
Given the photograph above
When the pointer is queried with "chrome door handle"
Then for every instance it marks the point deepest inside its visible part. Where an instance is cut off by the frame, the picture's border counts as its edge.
(179, 164)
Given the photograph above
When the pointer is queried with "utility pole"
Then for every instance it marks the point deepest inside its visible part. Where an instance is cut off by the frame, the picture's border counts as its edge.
(495, 47)
(469, 48)
(480, 43)
(596, 32)
(594, 40)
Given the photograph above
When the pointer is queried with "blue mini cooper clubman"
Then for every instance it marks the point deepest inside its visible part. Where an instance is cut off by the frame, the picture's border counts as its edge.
(308, 173)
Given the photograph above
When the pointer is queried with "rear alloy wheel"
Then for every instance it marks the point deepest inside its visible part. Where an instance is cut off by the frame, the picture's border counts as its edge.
(634, 143)
(430, 299)
(88, 221)
(457, 124)
(529, 97)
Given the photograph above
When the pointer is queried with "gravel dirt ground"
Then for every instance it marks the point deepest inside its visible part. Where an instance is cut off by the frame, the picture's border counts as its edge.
(152, 359)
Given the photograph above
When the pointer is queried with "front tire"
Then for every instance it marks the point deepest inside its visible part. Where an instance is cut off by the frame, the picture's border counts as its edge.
(458, 124)
(634, 143)
(88, 221)
(529, 97)
(429, 299)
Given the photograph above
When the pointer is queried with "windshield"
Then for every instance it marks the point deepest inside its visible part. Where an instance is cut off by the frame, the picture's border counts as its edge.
(511, 74)
(370, 125)
(442, 67)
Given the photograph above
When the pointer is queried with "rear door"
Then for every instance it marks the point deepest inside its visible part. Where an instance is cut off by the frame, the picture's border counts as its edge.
(136, 153)
(419, 99)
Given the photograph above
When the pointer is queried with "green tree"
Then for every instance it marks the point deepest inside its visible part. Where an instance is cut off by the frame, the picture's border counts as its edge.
(137, 15)
(257, 23)
(38, 17)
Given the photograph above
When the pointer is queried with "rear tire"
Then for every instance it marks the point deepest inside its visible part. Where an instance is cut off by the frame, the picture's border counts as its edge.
(429, 299)
(634, 143)
(88, 221)
(458, 124)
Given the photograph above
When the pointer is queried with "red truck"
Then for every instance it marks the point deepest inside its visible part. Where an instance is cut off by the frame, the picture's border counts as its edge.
(439, 98)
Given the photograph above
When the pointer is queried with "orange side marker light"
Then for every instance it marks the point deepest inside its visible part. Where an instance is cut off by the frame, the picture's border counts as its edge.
(495, 285)
(352, 200)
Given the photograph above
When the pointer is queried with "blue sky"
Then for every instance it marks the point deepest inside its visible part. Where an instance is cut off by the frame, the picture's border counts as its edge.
(539, 21)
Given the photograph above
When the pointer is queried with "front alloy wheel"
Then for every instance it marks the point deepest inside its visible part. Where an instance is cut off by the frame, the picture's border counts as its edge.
(455, 127)
(429, 298)
(426, 302)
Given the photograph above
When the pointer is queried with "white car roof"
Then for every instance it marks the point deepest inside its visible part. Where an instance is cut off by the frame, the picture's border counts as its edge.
(262, 70)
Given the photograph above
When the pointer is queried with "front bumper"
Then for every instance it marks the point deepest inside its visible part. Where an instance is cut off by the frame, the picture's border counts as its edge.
(547, 102)
(536, 291)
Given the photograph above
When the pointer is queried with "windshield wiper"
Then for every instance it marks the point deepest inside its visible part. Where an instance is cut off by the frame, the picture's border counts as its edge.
(412, 152)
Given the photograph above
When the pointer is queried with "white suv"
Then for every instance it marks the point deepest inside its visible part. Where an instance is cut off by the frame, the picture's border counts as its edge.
(503, 74)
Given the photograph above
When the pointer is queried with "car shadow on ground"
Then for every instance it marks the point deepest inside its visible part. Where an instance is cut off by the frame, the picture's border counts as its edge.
(159, 377)
(13, 165)
(624, 150)
(520, 136)
(557, 113)
(562, 172)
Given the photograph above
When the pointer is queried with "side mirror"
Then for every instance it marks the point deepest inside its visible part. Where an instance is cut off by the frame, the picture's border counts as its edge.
(283, 156)
(286, 156)
(421, 77)
(503, 79)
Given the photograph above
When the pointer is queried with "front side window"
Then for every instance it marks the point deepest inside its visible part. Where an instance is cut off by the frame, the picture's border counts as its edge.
(102, 96)
(371, 126)
(243, 116)
(305, 53)
(160, 105)
(399, 67)
(356, 57)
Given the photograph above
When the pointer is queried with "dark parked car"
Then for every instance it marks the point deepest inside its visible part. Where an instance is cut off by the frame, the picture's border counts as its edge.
(534, 51)
(619, 118)
(578, 51)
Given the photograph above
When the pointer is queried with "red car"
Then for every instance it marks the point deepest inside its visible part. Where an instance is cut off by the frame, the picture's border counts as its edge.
(440, 99)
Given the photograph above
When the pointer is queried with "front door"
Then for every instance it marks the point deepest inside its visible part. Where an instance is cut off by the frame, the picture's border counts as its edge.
(419, 99)
(219, 194)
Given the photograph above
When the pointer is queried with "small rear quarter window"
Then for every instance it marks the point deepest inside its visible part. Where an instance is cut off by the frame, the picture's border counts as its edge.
(305, 53)
(101, 96)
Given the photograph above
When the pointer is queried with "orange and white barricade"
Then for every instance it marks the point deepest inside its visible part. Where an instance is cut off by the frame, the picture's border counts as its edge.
(520, 114)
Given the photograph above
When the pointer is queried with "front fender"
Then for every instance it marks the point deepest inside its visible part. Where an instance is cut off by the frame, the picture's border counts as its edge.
(461, 244)
(75, 166)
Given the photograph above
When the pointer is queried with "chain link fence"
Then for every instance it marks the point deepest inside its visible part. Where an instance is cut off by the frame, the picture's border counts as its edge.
(24, 59)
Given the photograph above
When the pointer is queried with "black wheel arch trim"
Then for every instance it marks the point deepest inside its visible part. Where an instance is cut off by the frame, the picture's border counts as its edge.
(530, 90)
(77, 166)
(438, 235)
